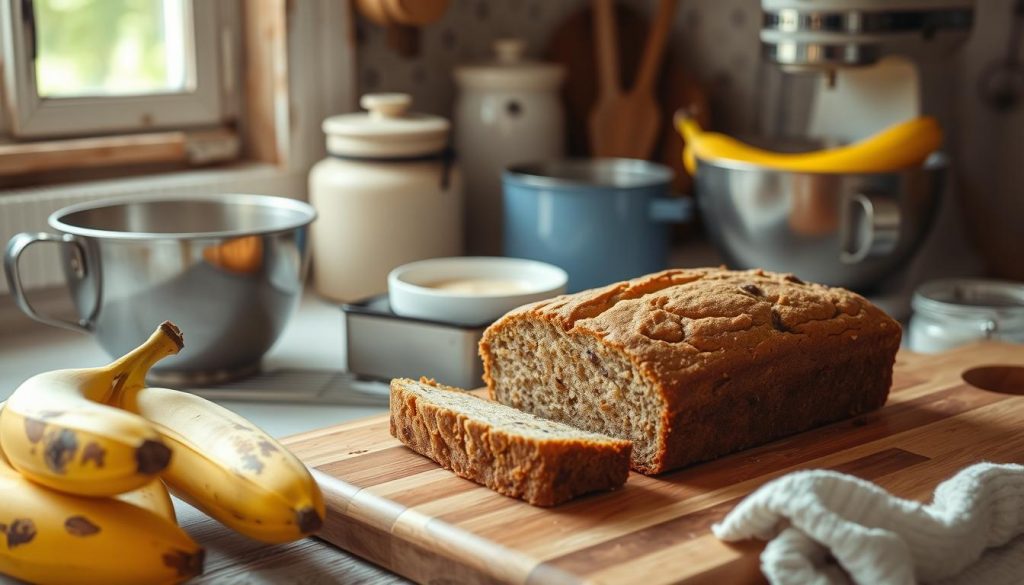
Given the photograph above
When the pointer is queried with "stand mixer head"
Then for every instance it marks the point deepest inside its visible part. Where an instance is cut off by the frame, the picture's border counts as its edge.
(827, 35)
(876, 57)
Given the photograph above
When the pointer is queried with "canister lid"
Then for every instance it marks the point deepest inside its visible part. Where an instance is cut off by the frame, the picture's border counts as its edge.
(386, 129)
(510, 70)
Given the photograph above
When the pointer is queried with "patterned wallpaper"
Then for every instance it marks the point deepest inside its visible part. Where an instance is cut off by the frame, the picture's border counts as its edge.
(717, 40)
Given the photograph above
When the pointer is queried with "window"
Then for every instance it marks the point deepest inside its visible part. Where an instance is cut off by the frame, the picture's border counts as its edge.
(97, 67)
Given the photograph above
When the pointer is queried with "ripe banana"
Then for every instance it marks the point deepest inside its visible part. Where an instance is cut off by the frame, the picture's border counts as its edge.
(153, 497)
(50, 537)
(229, 468)
(902, 145)
(56, 432)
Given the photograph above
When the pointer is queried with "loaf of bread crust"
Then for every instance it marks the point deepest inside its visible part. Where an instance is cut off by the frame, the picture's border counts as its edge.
(692, 364)
(509, 451)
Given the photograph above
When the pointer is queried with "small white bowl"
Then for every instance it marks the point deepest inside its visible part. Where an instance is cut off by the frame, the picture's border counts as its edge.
(471, 290)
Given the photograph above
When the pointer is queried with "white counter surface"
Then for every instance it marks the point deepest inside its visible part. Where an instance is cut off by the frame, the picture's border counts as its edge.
(312, 340)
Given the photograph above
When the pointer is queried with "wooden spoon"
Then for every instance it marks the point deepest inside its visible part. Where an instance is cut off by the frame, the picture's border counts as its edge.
(627, 124)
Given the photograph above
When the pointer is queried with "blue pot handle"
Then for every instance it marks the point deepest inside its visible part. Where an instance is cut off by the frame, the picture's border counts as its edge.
(671, 209)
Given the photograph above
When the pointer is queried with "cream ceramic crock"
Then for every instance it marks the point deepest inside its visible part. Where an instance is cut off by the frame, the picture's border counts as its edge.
(387, 194)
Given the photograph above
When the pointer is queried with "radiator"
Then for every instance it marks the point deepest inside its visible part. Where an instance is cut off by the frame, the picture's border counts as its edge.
(26, 210)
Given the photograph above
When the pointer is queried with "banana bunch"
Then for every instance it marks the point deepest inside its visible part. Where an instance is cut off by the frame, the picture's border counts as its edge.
(57, 431)
(85, 458)
(900, 146)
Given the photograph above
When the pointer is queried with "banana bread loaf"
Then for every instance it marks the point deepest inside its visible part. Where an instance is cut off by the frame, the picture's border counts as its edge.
(509, 451)
(692, 364)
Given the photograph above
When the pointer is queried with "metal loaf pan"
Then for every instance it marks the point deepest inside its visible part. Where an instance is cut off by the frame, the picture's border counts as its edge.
(383, 345)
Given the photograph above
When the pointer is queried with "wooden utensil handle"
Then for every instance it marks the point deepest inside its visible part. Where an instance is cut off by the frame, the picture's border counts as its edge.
(607, 47)
(405, 40)
(654, 50)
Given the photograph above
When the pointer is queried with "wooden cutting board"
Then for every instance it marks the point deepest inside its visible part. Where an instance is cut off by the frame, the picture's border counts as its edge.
(403, 512)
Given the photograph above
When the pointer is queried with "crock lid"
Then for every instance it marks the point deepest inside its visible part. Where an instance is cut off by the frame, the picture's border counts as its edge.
(387, 129)
(510, 70)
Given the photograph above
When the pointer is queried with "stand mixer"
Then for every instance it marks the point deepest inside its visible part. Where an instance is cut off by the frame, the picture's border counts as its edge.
(877, 62)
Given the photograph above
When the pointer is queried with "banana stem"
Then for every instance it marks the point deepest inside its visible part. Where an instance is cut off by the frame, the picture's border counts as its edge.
(132, 367)
(687, 125)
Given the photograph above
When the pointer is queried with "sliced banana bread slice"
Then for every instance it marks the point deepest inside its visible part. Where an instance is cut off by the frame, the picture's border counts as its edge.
(512, 452)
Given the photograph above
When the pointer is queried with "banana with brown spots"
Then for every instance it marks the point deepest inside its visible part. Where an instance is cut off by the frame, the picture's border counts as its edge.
(229, 468)
(57, 431)
(51, 537)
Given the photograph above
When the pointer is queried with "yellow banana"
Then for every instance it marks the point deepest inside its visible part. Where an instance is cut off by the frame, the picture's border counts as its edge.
(229, 468)
(900, 146)
(56, 431)
(50, 537)
(153, 497)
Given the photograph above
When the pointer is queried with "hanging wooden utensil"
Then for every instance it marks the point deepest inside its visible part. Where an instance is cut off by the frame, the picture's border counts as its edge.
(627, 124)
(402, 20)
(572, 45)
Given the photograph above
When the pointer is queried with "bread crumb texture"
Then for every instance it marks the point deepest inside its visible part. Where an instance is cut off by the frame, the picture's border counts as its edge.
(512, 452)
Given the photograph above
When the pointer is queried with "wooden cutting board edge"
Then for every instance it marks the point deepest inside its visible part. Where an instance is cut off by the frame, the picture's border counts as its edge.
(419, 559)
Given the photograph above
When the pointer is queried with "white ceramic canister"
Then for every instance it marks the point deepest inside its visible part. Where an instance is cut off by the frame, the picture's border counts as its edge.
(508, 112)
(387, 194)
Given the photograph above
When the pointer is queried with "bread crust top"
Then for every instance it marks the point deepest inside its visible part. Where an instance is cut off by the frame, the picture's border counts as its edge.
(683, 325)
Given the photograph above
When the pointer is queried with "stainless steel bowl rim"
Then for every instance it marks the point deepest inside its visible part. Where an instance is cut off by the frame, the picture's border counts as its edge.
(306, 210)
(936, 161)
(929, 297)
(627, 173)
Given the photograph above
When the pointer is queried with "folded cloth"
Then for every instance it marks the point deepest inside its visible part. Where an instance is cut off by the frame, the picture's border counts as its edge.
(827, 528)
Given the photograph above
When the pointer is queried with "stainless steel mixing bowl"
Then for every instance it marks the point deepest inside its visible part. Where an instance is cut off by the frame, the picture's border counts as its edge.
(227, 269)
(849, 230)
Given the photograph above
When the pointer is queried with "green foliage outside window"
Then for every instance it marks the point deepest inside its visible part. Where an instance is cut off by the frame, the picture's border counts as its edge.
(109, 47)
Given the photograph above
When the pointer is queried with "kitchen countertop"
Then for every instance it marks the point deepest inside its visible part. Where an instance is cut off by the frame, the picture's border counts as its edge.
(313, 340)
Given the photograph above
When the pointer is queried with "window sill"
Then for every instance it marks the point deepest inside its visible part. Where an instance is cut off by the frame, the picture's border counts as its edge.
(192, 148)
(240, 176)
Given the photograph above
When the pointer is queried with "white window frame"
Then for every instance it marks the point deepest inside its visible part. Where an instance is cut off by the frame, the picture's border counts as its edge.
(32, 116)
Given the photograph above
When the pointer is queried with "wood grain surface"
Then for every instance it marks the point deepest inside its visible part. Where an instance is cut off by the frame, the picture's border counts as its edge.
(401, 511)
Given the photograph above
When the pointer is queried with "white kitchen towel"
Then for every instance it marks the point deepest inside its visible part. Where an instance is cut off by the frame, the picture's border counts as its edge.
(818, 521)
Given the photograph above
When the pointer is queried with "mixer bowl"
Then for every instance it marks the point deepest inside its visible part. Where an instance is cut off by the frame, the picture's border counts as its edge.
(848, 230)
(227, 269)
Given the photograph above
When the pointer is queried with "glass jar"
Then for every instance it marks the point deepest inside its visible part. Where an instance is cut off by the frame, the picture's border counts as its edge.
(954, 312)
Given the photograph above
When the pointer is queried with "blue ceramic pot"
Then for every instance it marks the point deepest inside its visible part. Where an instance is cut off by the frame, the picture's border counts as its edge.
(601, 220)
